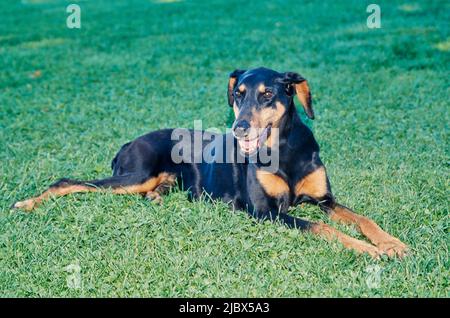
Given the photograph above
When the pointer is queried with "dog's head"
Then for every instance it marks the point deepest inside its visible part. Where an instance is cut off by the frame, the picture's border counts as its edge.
(260, 99)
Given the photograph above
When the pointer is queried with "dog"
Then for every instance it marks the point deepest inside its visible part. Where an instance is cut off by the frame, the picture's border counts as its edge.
(266, 120)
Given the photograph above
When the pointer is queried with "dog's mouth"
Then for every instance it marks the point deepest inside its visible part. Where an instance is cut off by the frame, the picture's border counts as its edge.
(252, 144)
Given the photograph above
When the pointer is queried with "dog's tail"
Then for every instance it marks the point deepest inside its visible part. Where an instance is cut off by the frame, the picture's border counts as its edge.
(122, 184)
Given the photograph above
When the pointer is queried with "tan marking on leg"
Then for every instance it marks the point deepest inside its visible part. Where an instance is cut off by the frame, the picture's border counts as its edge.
(274, 185)
(385, 242)
(147, 186)
(168, 182)
(349, 242)
(162, 188)
(313, 185)
(31, 203)
(154, 196)
(62, 190)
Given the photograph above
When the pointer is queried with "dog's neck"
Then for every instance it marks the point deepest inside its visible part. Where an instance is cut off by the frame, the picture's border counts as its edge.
(278, 145)
(290, 134)
(290, 120)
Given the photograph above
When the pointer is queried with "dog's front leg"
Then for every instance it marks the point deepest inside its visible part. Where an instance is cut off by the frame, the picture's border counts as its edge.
(387, 243)
(320, 229)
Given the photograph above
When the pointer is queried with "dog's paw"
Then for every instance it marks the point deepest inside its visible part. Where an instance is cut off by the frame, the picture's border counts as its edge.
(26, 205)
(367, 248)
(393, 248)
(154, 197)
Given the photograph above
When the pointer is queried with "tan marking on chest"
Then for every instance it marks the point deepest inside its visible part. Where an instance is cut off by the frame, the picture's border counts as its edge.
(272, 184)
(313, 185)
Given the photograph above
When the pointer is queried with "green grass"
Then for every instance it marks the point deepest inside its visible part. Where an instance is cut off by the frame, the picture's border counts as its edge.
(381, 100)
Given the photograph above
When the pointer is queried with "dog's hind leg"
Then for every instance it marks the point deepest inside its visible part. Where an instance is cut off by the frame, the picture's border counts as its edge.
(123, 184)
(163, 188)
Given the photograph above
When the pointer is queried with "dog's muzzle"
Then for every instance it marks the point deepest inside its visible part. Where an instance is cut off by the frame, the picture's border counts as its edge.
(251, 139)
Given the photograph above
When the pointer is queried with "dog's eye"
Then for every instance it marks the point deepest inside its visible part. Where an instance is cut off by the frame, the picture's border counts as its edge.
(268, 94)
(238, 94)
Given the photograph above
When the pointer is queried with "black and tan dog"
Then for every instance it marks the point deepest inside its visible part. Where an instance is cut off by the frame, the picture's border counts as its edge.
(266, 119)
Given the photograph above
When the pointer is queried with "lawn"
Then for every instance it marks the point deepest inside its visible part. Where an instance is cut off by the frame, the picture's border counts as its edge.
(69, 98)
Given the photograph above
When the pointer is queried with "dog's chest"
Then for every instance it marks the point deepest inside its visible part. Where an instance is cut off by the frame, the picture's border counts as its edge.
(270, 191)
(273, 184)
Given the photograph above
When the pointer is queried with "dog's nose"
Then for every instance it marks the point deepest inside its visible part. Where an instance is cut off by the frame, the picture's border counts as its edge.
(241, 129)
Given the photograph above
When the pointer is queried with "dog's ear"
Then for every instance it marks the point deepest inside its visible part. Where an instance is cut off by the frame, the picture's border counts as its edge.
(234, 77)
(296, 84)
